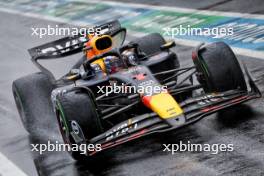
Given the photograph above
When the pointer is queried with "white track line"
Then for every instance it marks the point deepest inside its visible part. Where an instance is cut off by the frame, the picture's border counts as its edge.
(179, 9)
(7, 168)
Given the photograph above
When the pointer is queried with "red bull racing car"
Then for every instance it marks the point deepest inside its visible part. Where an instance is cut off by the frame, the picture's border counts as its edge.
(119, 92)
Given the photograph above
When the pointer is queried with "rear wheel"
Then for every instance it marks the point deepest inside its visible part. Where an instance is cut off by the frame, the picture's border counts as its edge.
(32, 97)
(77, 109)
(150, 44)
(218, 68)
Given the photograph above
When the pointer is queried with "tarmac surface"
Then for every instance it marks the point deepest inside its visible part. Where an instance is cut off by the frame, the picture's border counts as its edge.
(242, 126)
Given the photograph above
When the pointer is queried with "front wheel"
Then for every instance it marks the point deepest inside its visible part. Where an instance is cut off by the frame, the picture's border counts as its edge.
(218, 68)
(76, 113)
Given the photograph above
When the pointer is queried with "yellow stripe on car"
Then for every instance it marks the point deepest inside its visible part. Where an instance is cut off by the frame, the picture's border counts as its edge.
(164, 105)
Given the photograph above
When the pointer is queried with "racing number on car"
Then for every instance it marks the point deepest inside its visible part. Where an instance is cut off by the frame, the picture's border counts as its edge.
(121, 129)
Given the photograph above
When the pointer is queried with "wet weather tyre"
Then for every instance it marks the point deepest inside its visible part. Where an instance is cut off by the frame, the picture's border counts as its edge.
(150, 44)
(77, 106)
(219, 69)
(32, 97)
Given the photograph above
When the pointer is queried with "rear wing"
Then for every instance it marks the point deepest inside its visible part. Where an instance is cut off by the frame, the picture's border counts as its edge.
(58, 48)
(71, 44)
(68, 45)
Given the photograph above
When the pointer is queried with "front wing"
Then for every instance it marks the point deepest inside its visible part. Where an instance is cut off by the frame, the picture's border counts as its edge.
(194, 109)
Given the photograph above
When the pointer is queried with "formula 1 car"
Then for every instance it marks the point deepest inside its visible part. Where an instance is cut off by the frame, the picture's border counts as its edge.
(157, 95)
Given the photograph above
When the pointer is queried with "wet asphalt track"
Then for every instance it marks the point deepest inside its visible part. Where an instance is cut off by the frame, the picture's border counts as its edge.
(243, 126)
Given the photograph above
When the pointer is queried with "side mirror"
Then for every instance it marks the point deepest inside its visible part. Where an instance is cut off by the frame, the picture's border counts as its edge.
(167, 45)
